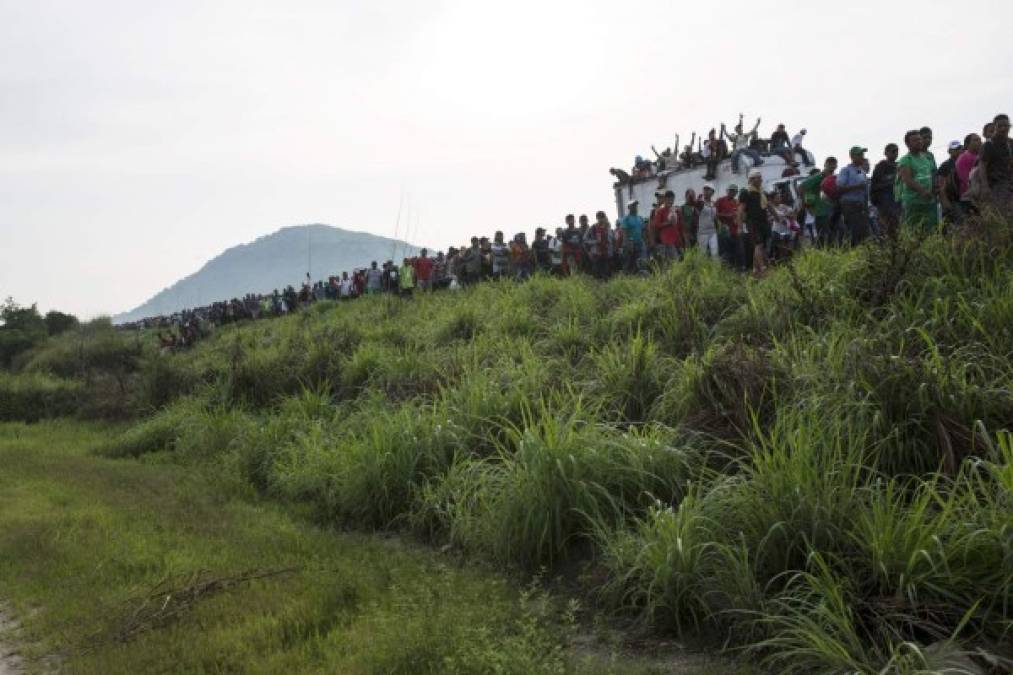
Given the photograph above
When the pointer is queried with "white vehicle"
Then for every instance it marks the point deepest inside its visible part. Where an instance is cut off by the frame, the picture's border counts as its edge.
(680, 180)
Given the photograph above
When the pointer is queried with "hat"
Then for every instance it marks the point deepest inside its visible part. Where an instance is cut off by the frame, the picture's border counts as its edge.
(708, 186)
(802, 132)
(857, 150)
(632, 202)
(956, 145)
(755, 173)
(733, 186)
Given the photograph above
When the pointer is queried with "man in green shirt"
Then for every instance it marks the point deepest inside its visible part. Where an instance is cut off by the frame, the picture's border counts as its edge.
(915, 184)
(406, 278)
(817, 203)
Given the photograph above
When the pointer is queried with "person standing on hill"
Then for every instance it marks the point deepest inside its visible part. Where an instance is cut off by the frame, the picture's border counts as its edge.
(753, 210)
(966, 162)
(572, 247)
(374, 279)
(949, 184)
(424, 271)
(406, 278)
(663, 231)
(817, 204)
(689, 223)
(633, 239)
(707, 221)
(995, 166)
(520, 257)
(540, 251)
(598, 243)
(471, 263)
(728, 233)
(852, 190)
(584, 226)
(884, 178)
(916, 176)
(500, 254)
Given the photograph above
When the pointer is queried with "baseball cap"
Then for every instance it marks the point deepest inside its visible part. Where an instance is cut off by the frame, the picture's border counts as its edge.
(857, 150)
(956, 145)
(733, 186)
(632, 202)
(755, 173)
(708, 186)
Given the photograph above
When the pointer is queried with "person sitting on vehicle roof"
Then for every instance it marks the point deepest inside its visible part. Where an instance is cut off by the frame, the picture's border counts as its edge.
(797, 149)
(740, 143)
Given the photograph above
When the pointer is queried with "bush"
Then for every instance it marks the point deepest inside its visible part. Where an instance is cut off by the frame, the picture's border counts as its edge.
(553, 482)
(30, 397)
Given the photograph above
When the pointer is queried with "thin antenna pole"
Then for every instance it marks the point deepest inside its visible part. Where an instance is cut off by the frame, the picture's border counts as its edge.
(309, 252)
(397, 223)
(415, 233)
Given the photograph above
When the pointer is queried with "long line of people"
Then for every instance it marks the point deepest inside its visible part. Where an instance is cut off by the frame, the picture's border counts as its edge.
(747, 228)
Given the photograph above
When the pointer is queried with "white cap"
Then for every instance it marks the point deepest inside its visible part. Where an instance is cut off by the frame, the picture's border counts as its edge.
(709, 186)
(755, 173)
(956, 145)
(632, 202)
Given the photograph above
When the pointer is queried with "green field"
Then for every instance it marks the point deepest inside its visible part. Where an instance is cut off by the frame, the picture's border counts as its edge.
(91, 548)
(812, 471)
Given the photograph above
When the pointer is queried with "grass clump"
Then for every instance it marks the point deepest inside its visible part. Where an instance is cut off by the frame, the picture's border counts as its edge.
(34, 396)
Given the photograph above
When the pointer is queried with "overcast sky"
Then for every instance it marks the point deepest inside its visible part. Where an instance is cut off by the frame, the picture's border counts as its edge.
(140, 139)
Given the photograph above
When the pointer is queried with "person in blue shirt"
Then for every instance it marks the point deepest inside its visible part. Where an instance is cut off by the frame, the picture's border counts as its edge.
(853, 196)
(633, 239)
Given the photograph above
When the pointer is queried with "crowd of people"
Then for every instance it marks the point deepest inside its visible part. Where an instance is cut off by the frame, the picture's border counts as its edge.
(718, 146)
(747, 228)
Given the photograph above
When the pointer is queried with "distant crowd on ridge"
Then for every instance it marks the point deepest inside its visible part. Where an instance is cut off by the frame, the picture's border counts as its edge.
(747, 228)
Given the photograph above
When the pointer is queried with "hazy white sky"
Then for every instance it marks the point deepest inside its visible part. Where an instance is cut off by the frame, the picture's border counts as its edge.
(140, 139)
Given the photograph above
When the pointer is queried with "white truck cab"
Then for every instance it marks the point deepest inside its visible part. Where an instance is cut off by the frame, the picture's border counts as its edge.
(679, 180)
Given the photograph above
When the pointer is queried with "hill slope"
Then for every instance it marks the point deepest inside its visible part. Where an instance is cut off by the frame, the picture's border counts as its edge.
(270, 262)
(815, 466)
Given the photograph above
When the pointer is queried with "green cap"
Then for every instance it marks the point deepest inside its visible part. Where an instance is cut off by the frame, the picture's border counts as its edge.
(733, 186)
(857, 150)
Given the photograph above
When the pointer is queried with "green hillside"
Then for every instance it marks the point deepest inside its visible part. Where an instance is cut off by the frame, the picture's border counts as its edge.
(816, 467)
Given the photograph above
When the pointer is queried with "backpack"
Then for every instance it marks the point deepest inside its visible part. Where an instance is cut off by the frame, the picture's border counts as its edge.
(977, 189)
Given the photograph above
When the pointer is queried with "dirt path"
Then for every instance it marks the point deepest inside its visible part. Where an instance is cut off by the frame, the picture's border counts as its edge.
(10, 662)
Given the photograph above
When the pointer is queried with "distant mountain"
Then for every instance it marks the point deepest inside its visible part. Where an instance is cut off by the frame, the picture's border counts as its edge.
(273, 261)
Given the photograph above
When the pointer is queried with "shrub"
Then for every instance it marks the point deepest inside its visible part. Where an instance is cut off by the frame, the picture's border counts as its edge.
(556, 479)
(30, 397)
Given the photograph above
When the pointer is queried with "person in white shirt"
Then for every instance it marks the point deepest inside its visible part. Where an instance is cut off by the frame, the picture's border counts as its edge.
(796, 147)
(707, 219)
(740, 144)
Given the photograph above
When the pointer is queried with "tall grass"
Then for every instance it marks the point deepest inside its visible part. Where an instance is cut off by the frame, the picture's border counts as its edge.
(815, 465)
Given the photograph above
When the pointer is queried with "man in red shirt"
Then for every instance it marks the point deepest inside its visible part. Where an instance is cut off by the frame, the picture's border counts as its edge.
(424, 271)
(599, 246)
(665, 230)
(729, 243)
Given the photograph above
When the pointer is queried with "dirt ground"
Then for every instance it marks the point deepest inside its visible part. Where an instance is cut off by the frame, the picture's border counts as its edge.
(10, 662)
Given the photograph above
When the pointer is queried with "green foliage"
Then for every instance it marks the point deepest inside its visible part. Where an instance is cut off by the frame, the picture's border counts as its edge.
(58, 322)
(85, 539)
(814, 465)
(35, 396)
(554, 480)
(21, 328)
